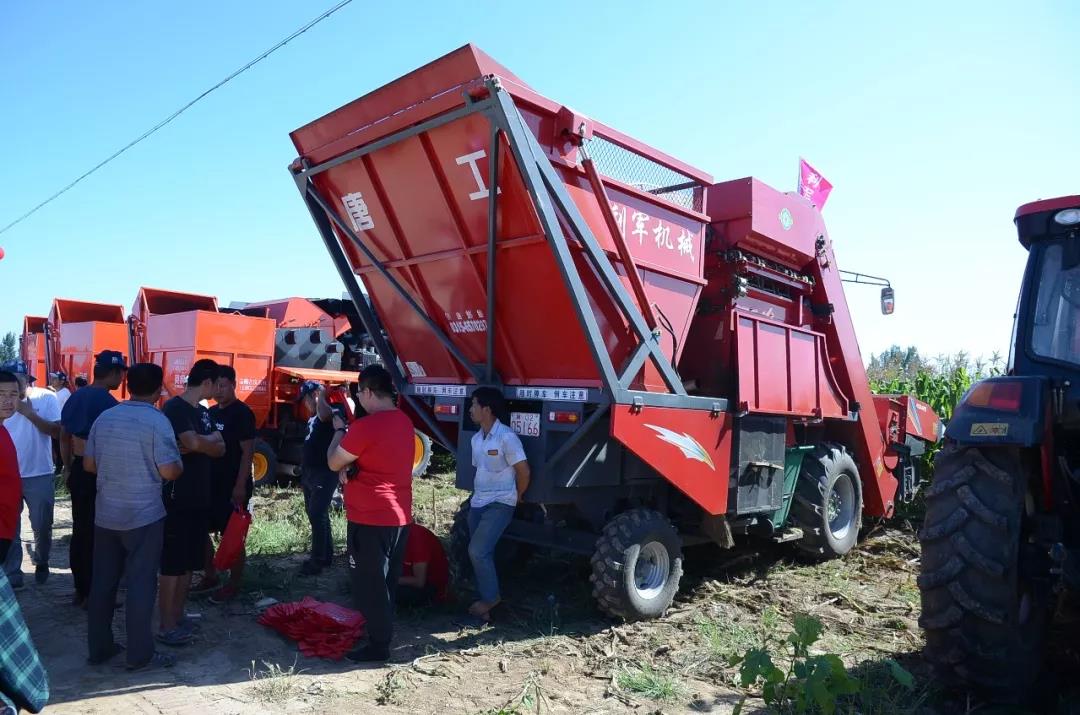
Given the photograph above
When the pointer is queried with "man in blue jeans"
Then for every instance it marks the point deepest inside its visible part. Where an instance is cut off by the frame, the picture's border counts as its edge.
(502, 476)
(316, 478)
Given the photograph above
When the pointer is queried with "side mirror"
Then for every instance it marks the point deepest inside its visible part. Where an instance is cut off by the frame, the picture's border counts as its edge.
(888, 300)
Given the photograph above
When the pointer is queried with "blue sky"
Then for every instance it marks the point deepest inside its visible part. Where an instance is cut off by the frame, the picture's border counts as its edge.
(934, 121)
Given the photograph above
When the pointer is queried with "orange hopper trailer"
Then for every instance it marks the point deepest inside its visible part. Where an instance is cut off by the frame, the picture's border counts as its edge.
(32, 347)
(77, 331)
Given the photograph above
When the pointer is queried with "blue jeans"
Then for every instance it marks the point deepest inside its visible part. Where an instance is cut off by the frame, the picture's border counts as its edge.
(486, 525)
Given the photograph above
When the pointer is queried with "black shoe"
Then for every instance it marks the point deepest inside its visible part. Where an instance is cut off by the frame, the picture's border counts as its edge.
(369, 653)
(41, 574)
(310, 568)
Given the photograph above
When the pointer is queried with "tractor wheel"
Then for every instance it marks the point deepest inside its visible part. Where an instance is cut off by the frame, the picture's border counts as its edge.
(509, 554)
(984, 622)
(421, 453)
(637, 565)
(828, 502)
(263, 464)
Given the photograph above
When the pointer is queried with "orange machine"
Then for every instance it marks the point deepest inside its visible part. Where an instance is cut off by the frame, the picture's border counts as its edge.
(176, 329)
(302, 313)
(77, 331)
(32, 347)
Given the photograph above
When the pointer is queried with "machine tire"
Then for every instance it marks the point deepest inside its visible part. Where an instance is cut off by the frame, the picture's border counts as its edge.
(827, 505)
(421, 453)
(509, 554)
(264, 464)
(637, 565)
(985, 625)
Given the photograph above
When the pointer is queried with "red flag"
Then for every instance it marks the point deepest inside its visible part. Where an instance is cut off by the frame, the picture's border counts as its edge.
(813, 186)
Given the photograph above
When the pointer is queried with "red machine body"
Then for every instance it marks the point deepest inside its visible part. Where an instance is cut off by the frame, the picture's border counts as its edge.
(174, 330)
(79, 330)
(601, 274)
(32, 349)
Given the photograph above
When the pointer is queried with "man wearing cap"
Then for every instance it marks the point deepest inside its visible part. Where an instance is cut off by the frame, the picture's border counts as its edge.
(76, 419)
(58, 383)
(34, 425)
(316, 478)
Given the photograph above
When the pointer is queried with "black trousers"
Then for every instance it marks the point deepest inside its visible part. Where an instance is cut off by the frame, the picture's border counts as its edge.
(318, 494)
(375, 556)
(136, 553)
(83, 487)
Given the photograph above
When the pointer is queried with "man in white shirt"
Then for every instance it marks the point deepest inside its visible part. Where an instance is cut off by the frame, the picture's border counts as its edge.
(58, 383)
(33, 427)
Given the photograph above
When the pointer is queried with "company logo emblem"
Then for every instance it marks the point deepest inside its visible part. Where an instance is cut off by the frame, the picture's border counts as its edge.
(689, 446)
(786, 220)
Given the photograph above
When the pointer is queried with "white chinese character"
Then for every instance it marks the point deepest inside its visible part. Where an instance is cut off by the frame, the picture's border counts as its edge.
(468, 314)
(639, 220)
(619, 213)
(662, 235)
(357, 209)
(686, 244)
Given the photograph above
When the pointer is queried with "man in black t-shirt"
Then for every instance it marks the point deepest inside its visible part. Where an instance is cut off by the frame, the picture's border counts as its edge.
(187, 500)
(230, 478)
(316, 478)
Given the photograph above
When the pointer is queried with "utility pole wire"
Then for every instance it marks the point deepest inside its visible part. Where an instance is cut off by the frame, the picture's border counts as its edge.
(177, 113)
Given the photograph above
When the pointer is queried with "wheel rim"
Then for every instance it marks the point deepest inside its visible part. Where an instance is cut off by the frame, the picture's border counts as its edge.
(651, 570)
(418, 451)
(840, 506)
(259, 467)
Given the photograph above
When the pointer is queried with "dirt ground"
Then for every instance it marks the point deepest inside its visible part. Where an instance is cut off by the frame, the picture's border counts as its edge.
(550, 652)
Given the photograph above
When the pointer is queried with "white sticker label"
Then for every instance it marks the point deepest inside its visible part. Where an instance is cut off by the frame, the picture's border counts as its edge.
(551, 393)
(440, 390)
(416, 369)
(526, 424)
(472, 160)
(358, 212)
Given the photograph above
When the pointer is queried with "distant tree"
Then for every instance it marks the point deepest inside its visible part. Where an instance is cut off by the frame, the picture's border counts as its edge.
(9, 347)
(896, 362)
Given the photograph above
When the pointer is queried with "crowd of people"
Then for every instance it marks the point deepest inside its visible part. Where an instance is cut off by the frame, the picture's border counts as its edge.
(150, 486)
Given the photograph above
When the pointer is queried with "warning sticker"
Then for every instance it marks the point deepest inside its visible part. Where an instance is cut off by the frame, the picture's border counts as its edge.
(990, 429)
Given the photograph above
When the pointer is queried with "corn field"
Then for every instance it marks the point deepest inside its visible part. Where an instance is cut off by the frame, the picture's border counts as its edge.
(941, 383)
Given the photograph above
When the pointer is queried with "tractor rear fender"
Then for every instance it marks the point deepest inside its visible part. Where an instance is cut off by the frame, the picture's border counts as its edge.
(1001, 411)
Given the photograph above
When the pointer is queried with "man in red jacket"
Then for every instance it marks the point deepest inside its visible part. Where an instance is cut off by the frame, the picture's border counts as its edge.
(10, 483)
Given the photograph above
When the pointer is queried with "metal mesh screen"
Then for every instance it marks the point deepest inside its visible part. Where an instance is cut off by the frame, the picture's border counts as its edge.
(639, 171)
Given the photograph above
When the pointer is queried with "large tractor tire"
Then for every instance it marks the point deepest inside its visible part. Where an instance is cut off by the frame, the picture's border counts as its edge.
(421, 453)
(637, 565)
(985, 625)
(509, 554)
(264, 464)
(828, 502)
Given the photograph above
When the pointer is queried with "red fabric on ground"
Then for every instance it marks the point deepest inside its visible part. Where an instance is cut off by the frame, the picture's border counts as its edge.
(326, 630)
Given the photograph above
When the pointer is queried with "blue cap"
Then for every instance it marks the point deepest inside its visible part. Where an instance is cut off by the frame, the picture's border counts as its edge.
(18, 367)
(307, 388)
(110, 358)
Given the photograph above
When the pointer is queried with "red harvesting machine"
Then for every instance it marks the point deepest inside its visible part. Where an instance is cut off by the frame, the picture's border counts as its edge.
(677, 354)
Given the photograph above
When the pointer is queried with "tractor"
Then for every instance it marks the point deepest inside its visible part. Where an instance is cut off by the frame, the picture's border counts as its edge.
(1000, 541)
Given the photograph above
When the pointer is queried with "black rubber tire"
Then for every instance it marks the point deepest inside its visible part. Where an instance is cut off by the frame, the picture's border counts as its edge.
(985, 626)
(263, 449)
(509, 554)
(817, 480)
(420, 466)
(615, 561)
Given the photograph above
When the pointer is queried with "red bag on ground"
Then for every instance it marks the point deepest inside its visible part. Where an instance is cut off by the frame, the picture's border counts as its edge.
(325, 630)
(232, 541)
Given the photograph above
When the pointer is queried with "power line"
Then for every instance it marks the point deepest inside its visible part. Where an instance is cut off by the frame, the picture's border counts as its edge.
(178, 112)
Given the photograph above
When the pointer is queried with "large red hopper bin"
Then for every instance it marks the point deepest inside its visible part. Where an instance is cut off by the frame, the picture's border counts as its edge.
(79, 330)
(176, 329)
(32, 346)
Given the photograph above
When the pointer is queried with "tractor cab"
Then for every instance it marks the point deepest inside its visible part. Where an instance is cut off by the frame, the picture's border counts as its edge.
(1001, 536)
(1047, 331)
